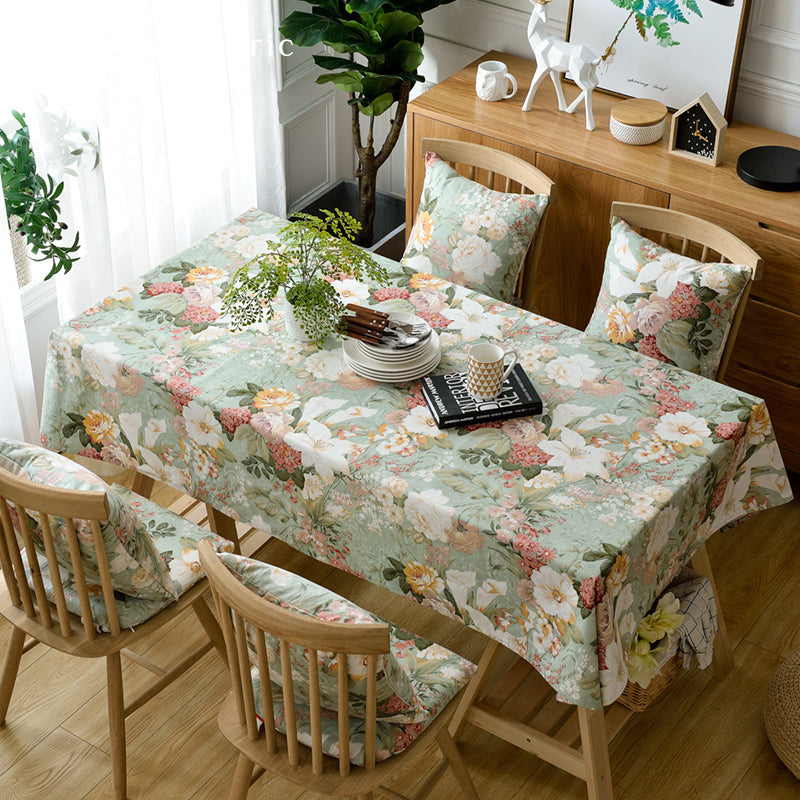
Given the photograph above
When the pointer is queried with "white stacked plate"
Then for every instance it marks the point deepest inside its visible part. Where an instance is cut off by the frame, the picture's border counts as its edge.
(382, 363)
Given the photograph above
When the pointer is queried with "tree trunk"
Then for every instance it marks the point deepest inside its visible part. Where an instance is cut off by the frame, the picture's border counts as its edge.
(369, 162)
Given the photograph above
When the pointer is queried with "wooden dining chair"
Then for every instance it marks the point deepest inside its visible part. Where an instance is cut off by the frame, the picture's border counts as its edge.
(702, 240)
(502, 172)
(308, 686)
(61, 565)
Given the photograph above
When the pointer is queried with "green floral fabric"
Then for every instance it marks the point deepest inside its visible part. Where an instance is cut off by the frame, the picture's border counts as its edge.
(137, 569)
(552, 534)
(665, 305)
(415, 681)
(176, 540)
(397, 700)
(469, 234)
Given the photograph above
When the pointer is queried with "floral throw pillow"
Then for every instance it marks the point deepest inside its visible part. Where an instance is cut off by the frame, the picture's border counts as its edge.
(665, 305)
(469, 234)
(137, 568)
(397, 699)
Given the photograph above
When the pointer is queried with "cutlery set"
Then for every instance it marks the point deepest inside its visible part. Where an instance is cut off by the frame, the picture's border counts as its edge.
(383, 329)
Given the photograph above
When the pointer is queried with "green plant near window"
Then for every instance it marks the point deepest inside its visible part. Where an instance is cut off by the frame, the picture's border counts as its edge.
(310, 254)
(33, 200)
(381, 47)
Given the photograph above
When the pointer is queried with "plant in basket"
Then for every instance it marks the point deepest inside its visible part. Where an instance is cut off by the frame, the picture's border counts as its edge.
(648, 640)
(310, 254)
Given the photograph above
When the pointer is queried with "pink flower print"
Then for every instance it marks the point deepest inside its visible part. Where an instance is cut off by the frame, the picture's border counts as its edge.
(405, 735)
(527, 456)
(232, 418)
(683, 302)
(729, 430)
(89, 452)
(164, 287)
(591, 592)
(182, 391)
(391, 293)
(434, 320)
(669, 402)
(650, 314)
(647, 346)
(199, 314)
(284, 456)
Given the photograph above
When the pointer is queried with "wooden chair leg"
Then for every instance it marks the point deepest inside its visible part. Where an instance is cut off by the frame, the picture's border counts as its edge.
(10, 670)
(116, 724)
(223, 525)
(450, 750)
(241, 779)
(211, 626)
(473, 691)
(722, 663)
(594, 743)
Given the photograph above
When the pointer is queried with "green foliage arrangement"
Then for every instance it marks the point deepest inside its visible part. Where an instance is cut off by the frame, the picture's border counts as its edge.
(311, 253)
(34, 200)
(380, 42)
(656, 17)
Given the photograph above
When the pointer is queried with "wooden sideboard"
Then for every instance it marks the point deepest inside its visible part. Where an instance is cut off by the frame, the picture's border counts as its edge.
(591, 169)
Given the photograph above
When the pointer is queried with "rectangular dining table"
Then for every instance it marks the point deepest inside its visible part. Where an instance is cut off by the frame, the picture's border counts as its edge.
(552, 535)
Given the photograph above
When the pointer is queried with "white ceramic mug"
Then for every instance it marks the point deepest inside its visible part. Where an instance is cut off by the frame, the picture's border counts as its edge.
(486, 370)
(492, 81)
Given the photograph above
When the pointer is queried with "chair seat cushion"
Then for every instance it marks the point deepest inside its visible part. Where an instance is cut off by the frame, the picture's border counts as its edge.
(666, 305)
(137, 569)
(415, 681)
(436, 674)
(470, 234)
(176, 539)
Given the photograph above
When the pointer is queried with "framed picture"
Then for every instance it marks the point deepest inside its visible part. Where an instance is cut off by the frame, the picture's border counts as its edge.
(673, 53)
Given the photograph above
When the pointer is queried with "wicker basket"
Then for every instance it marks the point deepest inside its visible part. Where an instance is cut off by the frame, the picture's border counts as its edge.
(782, 713)
(637, 698)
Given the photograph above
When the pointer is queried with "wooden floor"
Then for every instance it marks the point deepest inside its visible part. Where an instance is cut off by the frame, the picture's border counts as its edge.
(702, 739)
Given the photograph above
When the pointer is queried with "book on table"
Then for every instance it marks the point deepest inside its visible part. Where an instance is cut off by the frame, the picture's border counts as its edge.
(451, 404)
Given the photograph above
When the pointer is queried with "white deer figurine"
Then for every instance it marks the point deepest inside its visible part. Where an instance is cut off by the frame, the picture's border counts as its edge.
(554, 56)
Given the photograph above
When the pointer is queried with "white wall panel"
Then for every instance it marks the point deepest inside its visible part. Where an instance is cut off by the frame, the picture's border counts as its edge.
(309, 147)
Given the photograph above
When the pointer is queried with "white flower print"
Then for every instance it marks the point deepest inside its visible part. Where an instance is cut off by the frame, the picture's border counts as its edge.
(572, 370)
(153, 429)
(554, 593)
(575, 457)
(202, 426)
(667, 272)
(419, 421)
(474, 321)
(474, 258)
(715, 279)
(101, 360)
(682, 427)
(352, 291)
(320, 450)
(429, 513)
(326, 365)
(614, 677)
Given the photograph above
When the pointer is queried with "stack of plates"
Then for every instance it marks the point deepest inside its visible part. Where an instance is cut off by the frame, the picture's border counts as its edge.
(383, 363)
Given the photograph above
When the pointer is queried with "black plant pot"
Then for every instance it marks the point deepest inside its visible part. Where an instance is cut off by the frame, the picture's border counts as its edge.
(390, 216)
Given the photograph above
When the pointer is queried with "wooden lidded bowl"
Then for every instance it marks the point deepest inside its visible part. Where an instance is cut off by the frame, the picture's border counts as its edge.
(638, 121)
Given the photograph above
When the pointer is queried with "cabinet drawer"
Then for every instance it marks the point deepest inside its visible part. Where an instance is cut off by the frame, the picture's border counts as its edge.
(780, 284)
(769, 342)
(782, 403)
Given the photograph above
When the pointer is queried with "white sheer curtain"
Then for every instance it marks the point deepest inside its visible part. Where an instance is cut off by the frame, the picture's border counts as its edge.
(184, 106)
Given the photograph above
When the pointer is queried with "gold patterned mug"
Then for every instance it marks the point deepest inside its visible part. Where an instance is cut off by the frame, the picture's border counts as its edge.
(486, 370)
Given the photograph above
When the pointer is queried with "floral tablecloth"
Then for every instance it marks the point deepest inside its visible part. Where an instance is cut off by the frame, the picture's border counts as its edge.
(551, 534)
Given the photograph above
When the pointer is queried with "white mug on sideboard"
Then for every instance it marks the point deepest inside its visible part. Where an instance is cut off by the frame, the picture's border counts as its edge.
(486, 370)
(494, 82)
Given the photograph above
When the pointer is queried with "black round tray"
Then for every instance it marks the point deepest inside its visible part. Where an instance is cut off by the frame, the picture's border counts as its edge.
(774, 168)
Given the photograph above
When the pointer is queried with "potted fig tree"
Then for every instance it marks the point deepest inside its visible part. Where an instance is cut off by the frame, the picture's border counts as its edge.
(380, 47)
